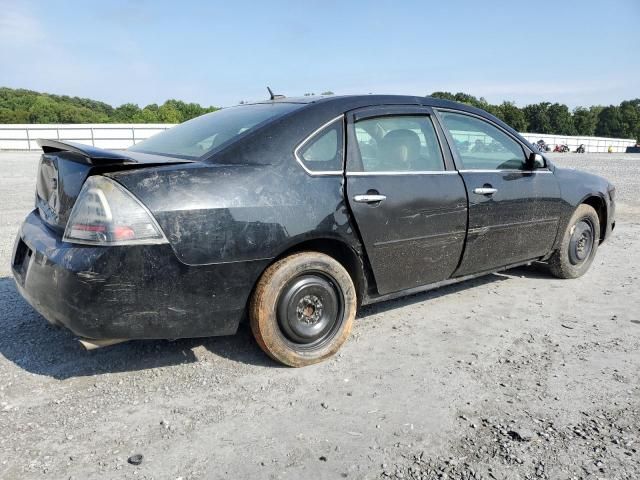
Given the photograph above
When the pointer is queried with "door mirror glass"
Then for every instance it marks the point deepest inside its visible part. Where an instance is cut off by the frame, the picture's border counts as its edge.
(536, 161)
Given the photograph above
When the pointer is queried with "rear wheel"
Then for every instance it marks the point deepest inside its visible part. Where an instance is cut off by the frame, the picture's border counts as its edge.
(579, 244)
(303, 308)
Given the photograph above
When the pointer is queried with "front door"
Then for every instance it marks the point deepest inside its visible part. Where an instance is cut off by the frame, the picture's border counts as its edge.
(409, 203)
(513, 210)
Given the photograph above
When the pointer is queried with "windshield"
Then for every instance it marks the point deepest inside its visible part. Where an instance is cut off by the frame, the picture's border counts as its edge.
(203, 135)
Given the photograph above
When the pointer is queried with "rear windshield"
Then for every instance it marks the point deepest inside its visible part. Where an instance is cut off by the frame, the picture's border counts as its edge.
(203, 135)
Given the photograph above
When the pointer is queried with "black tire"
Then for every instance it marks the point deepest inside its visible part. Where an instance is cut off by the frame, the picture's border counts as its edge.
(579, 244)
(302, 309)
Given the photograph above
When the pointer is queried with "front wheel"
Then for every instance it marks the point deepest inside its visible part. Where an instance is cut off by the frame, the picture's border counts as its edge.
(579, 244)
(303, 308)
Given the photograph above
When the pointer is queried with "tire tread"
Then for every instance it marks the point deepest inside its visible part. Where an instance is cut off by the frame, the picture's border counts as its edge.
(559, 264)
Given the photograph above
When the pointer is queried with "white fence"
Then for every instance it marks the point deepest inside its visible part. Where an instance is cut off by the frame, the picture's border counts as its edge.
(123, 135)
(592, 144)
(112, 135)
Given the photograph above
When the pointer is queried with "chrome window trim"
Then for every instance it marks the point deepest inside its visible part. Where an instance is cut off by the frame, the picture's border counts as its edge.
(422, 172)
(307, 139)
(512, 170)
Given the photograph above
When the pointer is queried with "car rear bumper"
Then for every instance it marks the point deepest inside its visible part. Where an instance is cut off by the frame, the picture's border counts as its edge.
(130, 292)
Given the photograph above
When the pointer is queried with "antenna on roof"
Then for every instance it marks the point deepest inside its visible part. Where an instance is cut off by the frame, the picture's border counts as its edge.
(273, 96)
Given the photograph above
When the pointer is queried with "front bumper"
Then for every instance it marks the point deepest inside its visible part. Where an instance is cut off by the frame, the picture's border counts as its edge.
(128, 292)
(611, 219)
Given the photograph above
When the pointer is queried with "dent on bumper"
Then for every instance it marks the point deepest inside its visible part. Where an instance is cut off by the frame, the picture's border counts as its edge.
(128, 292)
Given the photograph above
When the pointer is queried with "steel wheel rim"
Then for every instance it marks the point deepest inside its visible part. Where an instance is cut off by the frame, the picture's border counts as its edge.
(310, 310)
(581, 241)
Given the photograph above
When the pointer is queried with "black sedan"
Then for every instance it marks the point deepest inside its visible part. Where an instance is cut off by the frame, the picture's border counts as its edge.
(293, 213)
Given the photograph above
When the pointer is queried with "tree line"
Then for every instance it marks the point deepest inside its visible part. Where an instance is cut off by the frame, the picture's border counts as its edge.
(26, 106)
(618, 121)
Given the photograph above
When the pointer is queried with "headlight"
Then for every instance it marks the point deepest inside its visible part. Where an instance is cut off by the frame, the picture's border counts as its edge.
(105, 213)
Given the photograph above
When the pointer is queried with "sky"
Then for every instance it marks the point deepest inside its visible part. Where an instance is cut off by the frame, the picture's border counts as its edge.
(221, 52)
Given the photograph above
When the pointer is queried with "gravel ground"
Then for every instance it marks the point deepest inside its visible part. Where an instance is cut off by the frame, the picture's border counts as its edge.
(515, 375)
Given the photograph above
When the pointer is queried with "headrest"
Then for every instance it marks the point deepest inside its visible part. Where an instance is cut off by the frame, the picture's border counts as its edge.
(400, 146)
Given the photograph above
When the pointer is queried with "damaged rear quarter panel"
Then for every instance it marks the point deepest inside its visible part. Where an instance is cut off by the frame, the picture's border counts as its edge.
(238, 213)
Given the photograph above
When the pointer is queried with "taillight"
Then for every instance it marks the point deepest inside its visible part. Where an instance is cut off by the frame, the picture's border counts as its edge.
(105, 213)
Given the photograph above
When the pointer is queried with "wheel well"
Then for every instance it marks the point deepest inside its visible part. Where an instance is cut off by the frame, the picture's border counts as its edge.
(601, 209)
(341, 252)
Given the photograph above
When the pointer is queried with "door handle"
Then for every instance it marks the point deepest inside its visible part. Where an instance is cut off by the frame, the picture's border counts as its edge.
(369, 198)
(485, 190)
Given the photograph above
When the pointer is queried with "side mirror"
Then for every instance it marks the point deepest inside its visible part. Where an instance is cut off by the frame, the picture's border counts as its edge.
(536, 161)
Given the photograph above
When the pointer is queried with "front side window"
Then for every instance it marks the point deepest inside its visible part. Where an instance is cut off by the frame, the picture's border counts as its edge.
(481, 146)
(323, 151)
(204, 135)
(402, 143)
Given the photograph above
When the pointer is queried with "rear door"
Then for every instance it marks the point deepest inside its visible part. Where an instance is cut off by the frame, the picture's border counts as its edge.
(513, 210)
(409, 203)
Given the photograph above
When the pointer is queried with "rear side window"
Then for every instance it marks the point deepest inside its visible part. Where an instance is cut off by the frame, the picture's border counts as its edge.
(323, 152)
(481, 146)
(401, 143)
(206, 134)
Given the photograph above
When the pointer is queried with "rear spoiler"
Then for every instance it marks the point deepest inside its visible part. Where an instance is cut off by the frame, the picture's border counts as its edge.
(98, 156)
(91, 154)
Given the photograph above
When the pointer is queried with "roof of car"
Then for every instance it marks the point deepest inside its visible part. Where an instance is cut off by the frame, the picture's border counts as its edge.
(350, 101)
(346, 103)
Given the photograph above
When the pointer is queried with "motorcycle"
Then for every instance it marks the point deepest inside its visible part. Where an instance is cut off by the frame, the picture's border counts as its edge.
(542, 146)
(563, 148)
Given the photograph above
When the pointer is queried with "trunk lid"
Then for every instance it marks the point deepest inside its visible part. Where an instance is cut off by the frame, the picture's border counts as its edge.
(64, 167)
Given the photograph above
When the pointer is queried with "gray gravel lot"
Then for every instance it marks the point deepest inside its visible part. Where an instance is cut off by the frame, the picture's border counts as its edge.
(515, 375)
